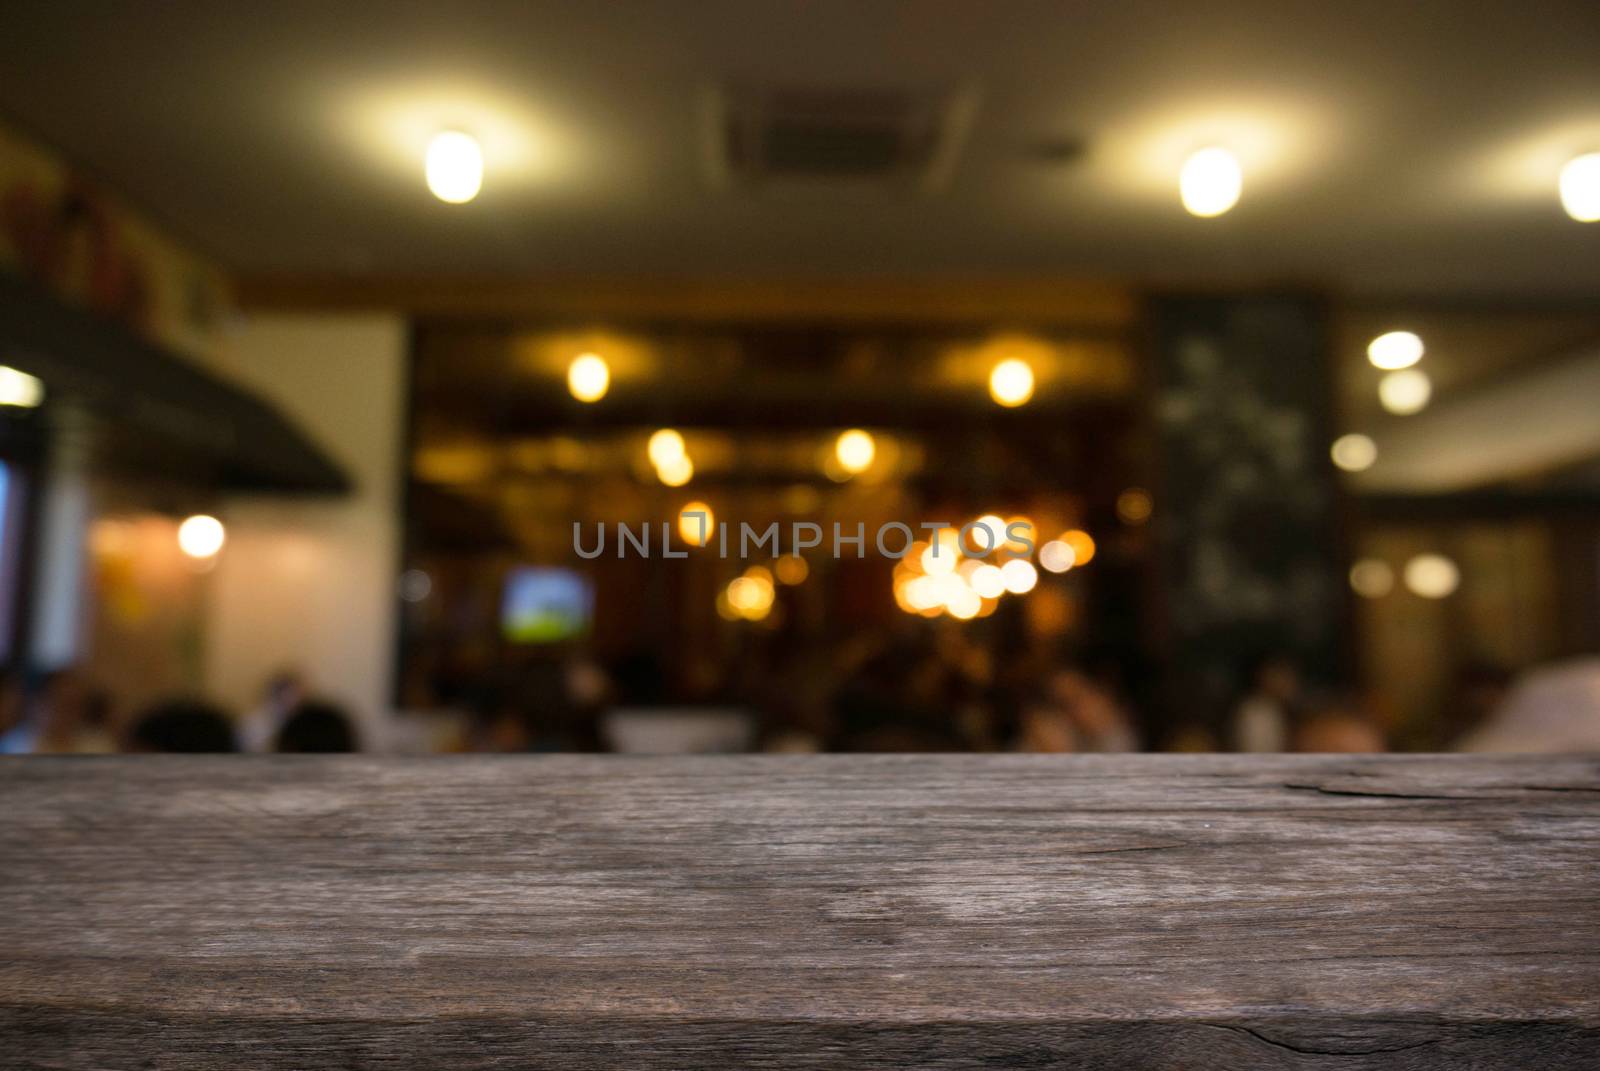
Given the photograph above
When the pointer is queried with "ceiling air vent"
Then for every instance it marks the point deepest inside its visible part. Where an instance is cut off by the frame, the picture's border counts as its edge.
(851, 138)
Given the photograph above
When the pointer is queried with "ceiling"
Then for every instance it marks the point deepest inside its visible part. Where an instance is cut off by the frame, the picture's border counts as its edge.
(1388, 148)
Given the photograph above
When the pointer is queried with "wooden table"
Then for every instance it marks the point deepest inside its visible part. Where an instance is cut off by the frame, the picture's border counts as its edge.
(796, 912)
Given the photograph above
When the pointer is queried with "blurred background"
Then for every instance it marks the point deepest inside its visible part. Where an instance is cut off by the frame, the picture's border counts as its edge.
(1275, 325)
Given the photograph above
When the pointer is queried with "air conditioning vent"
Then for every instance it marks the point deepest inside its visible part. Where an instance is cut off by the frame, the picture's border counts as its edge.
(765, 137)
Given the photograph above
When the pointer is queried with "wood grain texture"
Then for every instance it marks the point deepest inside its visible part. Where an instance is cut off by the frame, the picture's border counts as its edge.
(811, 912)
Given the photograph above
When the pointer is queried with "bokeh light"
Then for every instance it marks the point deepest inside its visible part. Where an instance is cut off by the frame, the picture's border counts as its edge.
(1406, 392)
(988, 582)
(751, 596)
(1011, 383)
(1082, 545)
(201, 536)
(855, 450)
(1354, 452)
(1210, 182)
(943, 554)
(922, 593)
(1394, 350)
(1018, 529)
(695, 529)
(1432, 576)
(791, 569)
(1371, 578)
(665, 447)
(1057, 556)
(675, 472)
(1019, 576)
(1580, 188)
(454, 167)
(19, 388)
(986, 534)
(588, 377)
(415, 585)
(1134, 505)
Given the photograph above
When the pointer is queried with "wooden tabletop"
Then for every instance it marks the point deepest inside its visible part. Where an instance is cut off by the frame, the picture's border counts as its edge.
(987, 912)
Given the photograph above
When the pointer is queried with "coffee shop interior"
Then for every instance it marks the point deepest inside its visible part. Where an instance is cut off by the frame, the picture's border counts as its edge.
(931, 376)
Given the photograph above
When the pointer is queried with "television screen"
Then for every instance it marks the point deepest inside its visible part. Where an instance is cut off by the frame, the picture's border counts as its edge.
(545, 605)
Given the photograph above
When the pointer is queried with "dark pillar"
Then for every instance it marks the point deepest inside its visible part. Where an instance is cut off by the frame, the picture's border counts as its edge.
(1248, 522)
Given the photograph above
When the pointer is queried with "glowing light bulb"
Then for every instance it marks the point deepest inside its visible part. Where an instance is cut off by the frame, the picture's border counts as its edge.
(1011, 383)
(1580, 188)
(1395, 349)
(1210, 182)
(454, 167)
(201, 536)
(588, 377)
(855, 450)
(1406, 392)
(1354, 453)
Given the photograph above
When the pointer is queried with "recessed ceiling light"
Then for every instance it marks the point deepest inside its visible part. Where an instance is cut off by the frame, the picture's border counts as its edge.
(1011, 382)
(1580, 188)
(1394, 349)
(1210, 182)
(454, 167)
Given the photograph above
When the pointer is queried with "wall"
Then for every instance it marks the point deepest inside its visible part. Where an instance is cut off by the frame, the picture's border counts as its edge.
(146, 616)
(305, 583)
